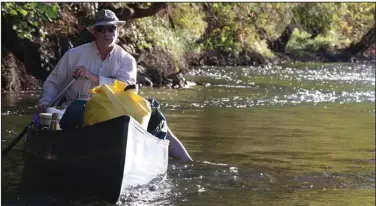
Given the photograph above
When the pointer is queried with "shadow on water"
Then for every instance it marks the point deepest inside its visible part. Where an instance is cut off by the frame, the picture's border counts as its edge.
(28, 188)
(203, 181)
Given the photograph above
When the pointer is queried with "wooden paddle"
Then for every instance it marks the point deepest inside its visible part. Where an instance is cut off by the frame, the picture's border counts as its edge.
(19, 137)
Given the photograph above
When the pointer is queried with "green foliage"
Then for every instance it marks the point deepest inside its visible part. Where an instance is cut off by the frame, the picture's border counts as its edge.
(222, 34)
(339, 24)
(150, 32)
(222, 27)
(272, 24)
(28, 18)
(234, 27)
(301, 42)
(358, 19)
(318, 18)
(156, 32)
(188, 19)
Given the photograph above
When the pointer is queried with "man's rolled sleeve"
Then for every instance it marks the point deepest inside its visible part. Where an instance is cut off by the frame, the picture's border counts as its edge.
(55, 78)
(105, 80)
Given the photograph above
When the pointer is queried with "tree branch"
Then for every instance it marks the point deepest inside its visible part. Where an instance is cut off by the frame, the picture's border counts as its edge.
(134, 10)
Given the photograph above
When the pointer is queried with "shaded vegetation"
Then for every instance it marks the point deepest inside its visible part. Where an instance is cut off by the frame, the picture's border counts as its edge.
(167, 39)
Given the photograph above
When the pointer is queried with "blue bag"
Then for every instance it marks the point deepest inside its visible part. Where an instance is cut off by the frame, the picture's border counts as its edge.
(74, 115)
(157, 125)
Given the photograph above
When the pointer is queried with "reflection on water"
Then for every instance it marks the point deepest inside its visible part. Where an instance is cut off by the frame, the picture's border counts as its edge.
(273, 135)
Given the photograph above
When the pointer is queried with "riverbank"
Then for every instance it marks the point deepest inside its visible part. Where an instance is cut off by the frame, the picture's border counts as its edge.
(168, 40)
(150, 75)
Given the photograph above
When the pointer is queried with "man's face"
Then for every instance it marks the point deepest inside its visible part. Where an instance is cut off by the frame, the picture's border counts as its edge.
(105, 35)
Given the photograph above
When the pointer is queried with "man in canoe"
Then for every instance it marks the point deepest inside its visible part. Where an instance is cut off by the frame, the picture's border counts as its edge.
(97, 63)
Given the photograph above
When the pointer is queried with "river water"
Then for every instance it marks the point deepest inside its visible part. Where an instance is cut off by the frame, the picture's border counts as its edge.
(298, 134)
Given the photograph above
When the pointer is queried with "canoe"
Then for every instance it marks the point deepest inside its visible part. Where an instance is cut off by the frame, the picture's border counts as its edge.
(102, 160)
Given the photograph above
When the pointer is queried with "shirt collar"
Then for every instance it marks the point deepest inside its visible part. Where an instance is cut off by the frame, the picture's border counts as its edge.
(96, 51)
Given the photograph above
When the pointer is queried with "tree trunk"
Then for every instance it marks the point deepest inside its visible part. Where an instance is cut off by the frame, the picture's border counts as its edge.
(279, 45)
(134, 10)
(367, 41)
(23, 49)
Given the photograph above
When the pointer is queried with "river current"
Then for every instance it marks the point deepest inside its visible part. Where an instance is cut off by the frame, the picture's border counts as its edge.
(293, 134)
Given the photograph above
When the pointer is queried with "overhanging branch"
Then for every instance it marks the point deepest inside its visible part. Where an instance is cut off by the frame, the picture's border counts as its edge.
(134, 10)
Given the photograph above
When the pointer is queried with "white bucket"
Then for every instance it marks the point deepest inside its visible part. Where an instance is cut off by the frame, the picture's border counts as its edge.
(54, 110)
(45, 118)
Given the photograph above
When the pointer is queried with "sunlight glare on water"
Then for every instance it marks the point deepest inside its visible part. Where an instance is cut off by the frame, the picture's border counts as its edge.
(296, 134)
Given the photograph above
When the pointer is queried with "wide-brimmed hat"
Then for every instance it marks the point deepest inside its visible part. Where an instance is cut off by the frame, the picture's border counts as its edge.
(106, 17)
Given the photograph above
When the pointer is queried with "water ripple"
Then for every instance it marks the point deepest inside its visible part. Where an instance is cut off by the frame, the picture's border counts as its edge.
(283, 85)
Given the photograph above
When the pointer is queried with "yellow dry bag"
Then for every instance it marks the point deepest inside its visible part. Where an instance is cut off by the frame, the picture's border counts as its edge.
(108, 102)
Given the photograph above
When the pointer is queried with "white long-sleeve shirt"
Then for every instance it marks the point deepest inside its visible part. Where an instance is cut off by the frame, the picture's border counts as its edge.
(118, 65)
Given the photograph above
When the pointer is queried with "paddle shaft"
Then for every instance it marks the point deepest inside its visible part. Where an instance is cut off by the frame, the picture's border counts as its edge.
(19, 137)
(60, 94)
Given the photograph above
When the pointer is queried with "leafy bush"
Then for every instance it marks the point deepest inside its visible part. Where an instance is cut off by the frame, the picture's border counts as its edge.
(228, 28)
(28, 18)
(318, 18)
(336, 24)
(357, 19)
(188, 19)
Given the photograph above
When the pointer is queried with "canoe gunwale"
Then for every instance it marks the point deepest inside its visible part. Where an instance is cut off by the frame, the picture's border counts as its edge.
(148, 134)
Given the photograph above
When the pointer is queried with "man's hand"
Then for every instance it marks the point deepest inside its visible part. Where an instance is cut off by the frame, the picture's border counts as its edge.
(41, 108)
(83, 72)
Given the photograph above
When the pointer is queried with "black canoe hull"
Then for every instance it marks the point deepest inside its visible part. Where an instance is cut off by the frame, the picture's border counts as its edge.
(101, 160)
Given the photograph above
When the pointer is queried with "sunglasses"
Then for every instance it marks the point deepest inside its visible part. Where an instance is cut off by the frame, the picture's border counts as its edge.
(103, 29)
